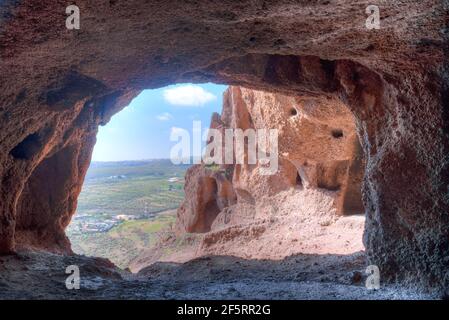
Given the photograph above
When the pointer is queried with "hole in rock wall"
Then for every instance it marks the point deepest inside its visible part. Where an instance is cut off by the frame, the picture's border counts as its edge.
(211, 209)
(27, 148)
(293, 112)
(337, 133)
(298, 180)
(132, 188)
(272, 216)
(137, 198)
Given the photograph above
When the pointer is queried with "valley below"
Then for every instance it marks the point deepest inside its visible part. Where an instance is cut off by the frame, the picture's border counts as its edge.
(32, 275)
(124, 207)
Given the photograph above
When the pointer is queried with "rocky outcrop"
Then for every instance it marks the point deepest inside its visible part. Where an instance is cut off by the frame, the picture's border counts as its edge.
(318, 149)
(394, 80)
(206, 194)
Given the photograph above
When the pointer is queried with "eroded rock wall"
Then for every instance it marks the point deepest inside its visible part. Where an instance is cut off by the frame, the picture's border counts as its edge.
(318, 148)
(393, 79)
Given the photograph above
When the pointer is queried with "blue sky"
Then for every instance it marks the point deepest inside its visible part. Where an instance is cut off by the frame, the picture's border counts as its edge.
(142, 130)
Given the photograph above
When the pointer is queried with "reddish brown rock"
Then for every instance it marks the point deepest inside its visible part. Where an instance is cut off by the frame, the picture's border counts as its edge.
(207, 193)
(317, 143)
(394, 80)
(318, 148)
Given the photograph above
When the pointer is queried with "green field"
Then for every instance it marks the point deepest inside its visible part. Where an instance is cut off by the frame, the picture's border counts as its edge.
(123, 207)
(124, 242)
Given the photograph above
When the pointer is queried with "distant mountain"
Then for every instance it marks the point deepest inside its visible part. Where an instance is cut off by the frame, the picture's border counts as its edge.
(154, 167)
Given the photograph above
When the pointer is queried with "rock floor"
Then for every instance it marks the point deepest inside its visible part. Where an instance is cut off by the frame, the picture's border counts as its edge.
(38, 275)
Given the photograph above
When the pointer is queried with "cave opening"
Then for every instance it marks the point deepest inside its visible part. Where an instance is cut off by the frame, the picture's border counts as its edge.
(133, 186)
(132, 202)
(392, 79)
(138, 208)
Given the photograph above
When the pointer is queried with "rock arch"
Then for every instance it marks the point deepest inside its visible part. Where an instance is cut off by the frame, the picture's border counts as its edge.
(63, 83)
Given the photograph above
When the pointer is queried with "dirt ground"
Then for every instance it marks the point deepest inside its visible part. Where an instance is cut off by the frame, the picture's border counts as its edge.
(37, 275)
(303, 222)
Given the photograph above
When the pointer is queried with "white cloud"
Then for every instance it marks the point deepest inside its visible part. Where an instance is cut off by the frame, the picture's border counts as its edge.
(188, 95)
(164, 116)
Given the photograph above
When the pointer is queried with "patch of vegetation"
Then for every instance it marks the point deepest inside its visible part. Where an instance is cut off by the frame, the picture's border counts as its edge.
(124, 242)
(122, 207)
(132, 187)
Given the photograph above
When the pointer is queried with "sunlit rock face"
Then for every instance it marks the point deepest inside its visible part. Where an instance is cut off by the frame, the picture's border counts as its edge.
(317, 145)
(58, 85)
(317, 148)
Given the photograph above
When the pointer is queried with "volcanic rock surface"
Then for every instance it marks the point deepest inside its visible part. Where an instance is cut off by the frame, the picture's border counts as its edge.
(318, 149)
(32, 275)
(296, 209)
(58, 85)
